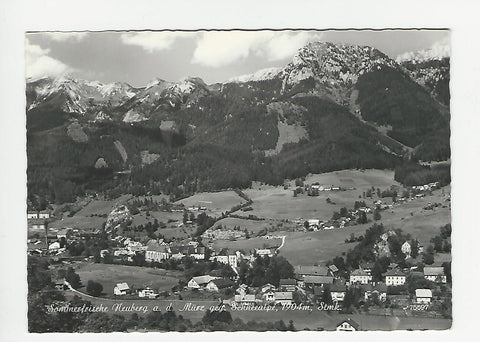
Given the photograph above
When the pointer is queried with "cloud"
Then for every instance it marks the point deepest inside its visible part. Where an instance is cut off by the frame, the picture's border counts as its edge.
(39, 64)
(65, 36)
(285, 45)
(220, 48)
(154, 41)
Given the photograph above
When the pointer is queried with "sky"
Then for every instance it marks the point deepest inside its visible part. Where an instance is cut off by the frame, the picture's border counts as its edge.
(138, 57)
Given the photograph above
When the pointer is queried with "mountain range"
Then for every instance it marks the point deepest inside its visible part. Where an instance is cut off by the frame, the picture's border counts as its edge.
(334, 106)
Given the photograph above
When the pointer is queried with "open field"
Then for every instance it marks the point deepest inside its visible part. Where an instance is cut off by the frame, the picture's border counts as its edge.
(318, 247)
(216, 202)
(252, 226)
(161, 216)
(245, 245)
(84, 220)
(355, 178)
(279, 203)
(110, 275)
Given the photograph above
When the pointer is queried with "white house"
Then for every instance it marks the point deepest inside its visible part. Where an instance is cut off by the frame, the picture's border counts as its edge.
(435, 274)
(395, 277)
(245, 299)
(200, 281)
(423, 296)
(121, 289)
(283, 298)
(267, 287)
(263, 252)
(43, 215)
(216, 285)
(348, 325)
(360, 277)
(54, 246)
(156, 252)
(147, 292)
(338, 292)
(313, 223)
(406, 249)
(32, 215)
(268, 296)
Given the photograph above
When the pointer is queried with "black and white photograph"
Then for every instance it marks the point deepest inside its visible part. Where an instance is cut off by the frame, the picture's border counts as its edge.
(238, 180)
(216, 170)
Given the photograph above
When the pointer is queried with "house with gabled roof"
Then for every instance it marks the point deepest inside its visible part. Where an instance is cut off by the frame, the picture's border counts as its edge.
(287, 285)
(338, 292)
(219, 284)
(395, 277)
(435, 274)
(156, 251)
(360, 276)
(348, 325)
(283, 297)
(423, 296)
(311, 281)
(200, 281)
(121, 289)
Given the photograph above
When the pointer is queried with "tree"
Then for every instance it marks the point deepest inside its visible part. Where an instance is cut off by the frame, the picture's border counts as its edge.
(376, 215)
(94, 289)
(363, 218)
(327, 295)
(72, 278)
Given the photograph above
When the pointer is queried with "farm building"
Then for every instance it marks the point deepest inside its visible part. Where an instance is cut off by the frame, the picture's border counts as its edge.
(288, 285)
(200, 281)
(423, 296)
(121, 289)
(219, 284)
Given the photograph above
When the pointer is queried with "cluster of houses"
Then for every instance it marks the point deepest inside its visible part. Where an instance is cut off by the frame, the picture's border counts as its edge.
(426, 187)
(123, 289)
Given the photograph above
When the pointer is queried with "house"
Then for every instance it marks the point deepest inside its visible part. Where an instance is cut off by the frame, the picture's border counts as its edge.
(147, 293)
(54, 246)
(310, 281)
(367, 267)
(267, 287)
(348, 325)
(43, 215)
(226, 258)
(435, 274)
(200, 281)
(333, 270)
(338, 292)
(264, 252)
(288, 285)
(156, 252)
(302, 271)
(32, 215)
(360, 277)
(379, 290)
(395, 277)
(121, 289)
(268, 296)
(423, 296)
(283, 298)
(313, 223)
(245, 299)
(219, 284)
(61, 284)
(406, 249)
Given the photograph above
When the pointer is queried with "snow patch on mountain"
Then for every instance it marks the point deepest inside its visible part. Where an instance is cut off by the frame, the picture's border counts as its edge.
(260, 75)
